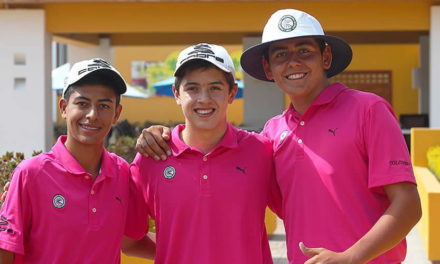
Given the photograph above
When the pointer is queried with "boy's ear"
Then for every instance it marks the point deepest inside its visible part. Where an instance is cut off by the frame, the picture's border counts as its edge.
(232, 93)
(266, 68)
(63, 105)
(327, 57)
(117, 114)
(176, 95)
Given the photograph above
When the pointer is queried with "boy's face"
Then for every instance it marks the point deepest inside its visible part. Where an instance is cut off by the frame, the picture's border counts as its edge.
(204, 96)
(89, 114)
(298, 67)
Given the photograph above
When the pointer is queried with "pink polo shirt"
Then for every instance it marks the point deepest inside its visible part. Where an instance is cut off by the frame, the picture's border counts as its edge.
(56, 213)
(210, 208)
(331, 164)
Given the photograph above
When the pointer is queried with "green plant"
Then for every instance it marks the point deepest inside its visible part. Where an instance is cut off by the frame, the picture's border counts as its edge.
(124, 147)
(8, 163)
(433, 156)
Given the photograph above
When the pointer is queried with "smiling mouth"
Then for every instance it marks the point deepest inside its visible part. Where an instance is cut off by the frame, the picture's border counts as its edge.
(296, 76)
(88, 127)
(204, 112)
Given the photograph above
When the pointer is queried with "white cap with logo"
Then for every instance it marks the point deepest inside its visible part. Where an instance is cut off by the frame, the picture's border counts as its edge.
(99, 66)
(214, 54)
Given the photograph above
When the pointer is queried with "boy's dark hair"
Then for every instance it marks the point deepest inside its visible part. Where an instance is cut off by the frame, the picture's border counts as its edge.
(94, 79)
(200, 64)
(321, 44)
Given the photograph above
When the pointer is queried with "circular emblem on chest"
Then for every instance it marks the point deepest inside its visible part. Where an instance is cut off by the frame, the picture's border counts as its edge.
(169, 172)
(287, 23)
(283, 135)
(59, 201)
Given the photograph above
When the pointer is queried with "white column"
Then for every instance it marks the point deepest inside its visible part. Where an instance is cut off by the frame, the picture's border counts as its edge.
(25, 101)
(424, 75)
(88, 51)
(434, 73)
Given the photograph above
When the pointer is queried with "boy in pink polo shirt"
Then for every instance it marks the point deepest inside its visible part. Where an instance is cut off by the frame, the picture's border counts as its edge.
(69, 205)
(209, 198)
(342, 165)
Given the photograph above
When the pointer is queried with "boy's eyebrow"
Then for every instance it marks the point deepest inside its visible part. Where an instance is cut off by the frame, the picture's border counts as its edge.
(196, 83)
(88, 99)
(80, 97)
(105, 100)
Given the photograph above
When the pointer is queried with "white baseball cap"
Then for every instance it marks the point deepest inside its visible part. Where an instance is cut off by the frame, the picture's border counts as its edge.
(289, 24)
(98, 66)
(214, 54)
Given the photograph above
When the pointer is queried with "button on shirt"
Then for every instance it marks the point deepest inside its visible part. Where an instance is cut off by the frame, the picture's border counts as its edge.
(331, 164)
(58, 214)
(210, 208)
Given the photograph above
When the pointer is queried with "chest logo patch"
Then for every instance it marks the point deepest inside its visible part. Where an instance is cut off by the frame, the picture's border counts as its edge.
(169, 172)
(59, 201)
(283, 135)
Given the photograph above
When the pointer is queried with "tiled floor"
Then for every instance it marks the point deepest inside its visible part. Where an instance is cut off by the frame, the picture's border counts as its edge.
(415, 255)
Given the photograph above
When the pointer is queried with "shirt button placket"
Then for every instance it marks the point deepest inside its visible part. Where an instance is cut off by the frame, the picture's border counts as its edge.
(204, 180)
(300, 140)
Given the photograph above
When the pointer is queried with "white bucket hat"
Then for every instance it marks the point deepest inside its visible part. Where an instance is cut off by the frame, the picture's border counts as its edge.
(84, 68)
(289, 24)
(214, 54)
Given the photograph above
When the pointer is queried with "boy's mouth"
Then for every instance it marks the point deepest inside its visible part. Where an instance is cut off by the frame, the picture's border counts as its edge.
(296, 76)
(204, 112)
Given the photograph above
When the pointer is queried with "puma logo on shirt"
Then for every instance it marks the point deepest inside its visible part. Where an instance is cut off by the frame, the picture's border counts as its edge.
(240, 169)
(333, 131)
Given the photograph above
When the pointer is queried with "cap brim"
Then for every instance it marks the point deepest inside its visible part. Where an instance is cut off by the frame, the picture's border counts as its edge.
(119, 84)
(219, 66)
(251, 59)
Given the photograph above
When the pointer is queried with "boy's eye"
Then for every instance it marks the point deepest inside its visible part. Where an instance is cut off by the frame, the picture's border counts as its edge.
(104, 106)
(216, 88)
(281, 54)
(190, 88)
(82, 103)
(303, 51)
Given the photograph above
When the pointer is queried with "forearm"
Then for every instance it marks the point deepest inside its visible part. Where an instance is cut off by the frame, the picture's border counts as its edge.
(391, 228)
(143, 248)
(6, 257)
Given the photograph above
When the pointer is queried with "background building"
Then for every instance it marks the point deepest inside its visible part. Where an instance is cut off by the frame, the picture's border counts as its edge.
(390, 39)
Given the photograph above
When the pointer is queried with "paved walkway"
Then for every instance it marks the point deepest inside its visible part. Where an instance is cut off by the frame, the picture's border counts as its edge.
(415, 255)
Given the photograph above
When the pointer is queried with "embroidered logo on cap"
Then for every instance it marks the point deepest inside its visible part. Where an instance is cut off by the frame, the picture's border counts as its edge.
(169, 172)
(283, 135)
(59, 201)
(202, 51)
(287, 23)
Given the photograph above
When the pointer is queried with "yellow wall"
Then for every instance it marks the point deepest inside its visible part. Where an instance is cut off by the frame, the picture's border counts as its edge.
(400, 59)
(247, 16)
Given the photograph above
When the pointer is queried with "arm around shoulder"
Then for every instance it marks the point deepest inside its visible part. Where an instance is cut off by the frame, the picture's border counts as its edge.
(143, 248)
(6, 257)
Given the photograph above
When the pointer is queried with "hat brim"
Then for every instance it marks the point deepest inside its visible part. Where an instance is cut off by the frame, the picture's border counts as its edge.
(251, 59)
(118, 82)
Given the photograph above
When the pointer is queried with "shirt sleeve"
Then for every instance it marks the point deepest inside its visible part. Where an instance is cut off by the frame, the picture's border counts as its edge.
(388, 156)
(137, 223)
(15, 215)
(275, 201)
